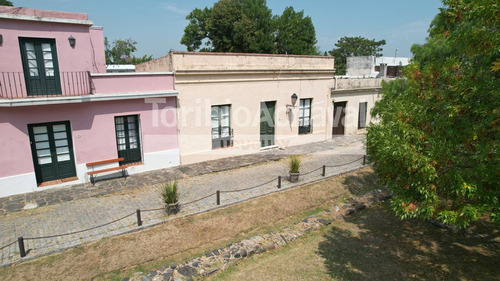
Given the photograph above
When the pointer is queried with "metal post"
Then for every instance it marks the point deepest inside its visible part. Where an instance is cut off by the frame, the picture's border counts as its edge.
(324, 171)
(22, 251)
(364, 159)
(218, 197)
(139, 221)
(279, 181)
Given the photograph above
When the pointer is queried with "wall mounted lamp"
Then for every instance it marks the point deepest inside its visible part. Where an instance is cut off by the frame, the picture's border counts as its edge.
(290, 106)
(72, 41)
(1, 39)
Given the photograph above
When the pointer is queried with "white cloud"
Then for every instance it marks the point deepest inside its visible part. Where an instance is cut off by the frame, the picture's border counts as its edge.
(172, 8)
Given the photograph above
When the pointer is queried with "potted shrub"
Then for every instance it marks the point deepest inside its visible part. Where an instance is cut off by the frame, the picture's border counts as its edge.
(170, 197)
(294, 166)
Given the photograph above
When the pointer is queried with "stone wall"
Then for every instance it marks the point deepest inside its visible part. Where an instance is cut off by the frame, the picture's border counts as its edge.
(219, 259)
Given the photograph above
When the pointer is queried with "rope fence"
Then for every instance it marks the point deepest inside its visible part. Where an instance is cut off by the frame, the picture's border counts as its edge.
(217, 194)
(249, 188)
(8, 245)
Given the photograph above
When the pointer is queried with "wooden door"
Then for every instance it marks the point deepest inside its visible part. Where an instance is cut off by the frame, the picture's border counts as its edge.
(339, 118)
(52, 150)
(127, 139)
(40, 65)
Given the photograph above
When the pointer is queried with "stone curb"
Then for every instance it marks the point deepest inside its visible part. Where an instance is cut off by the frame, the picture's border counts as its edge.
(219, 259)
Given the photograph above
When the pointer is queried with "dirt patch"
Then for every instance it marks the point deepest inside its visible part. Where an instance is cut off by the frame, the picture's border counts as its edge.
(181, 239)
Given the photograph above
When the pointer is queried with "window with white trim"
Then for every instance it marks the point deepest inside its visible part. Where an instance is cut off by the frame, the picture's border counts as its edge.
(305, 124)
(221, 126)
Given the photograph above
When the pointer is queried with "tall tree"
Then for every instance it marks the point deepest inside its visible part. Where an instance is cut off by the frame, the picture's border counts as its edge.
(295, 33)
(196, 31)
(247, 26)
(354, 46)
(6, 3)
(231, 26)
(121, 52)
(438, 141)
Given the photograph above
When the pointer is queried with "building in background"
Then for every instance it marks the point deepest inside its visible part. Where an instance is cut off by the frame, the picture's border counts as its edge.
(120, 68)
(376, 67)
(59, 109)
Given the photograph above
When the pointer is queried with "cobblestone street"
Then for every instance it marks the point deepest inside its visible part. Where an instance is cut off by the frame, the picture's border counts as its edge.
(77, 208)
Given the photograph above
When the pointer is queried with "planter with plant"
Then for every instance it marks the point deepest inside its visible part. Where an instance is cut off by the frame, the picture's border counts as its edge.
(294, 165)
(170, 197)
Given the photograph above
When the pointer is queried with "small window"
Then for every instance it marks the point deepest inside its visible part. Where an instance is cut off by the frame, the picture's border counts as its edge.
(305, 124)
(362, 115)
(221, 126)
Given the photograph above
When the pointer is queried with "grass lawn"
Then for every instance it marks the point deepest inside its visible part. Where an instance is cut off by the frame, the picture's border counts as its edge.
(185, 238)
(374, 245)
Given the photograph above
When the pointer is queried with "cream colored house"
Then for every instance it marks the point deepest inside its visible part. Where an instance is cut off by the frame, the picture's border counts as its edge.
(352, 100)
(234, 104)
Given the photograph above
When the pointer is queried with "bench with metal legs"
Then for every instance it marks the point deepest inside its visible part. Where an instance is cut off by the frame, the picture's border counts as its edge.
(93, 174)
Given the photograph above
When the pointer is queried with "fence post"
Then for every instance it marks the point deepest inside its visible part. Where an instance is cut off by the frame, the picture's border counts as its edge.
(22, 251)
(218, 197)
(139, 221)
(324, 171)
(279, 182)
(364, 159)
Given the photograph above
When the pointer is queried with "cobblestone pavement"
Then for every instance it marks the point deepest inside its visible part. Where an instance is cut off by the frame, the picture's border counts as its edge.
(114, 202)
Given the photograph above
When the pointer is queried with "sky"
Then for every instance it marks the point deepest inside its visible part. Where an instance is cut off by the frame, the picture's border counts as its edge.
(158, 25)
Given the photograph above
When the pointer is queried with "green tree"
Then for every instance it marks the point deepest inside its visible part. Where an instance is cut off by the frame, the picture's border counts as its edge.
(248, 26)
(354, 46)
(295, 33)
(437, 143)
(6, 3)
(196, 31)
(121, 52)
(231, 26)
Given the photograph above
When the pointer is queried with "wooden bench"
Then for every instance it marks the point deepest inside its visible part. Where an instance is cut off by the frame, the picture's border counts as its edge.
(94, 173)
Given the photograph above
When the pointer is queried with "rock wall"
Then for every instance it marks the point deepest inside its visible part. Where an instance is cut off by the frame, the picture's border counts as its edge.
(219, 259)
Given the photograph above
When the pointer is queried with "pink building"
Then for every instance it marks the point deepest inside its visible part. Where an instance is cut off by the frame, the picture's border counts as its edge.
(60, 110)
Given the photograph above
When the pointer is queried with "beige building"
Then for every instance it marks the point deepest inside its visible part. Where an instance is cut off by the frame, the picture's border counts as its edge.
(352, 100)
(234, 104)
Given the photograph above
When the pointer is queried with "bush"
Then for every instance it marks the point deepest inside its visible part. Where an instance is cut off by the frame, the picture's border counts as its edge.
(294, 163)
(169, 193)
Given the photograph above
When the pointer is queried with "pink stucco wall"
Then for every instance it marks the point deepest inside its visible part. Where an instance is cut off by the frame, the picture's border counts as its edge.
(93, 130)
(133, 82)
(87, 55)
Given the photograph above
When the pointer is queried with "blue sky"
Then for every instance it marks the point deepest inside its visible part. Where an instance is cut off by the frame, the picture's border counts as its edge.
(158, 25)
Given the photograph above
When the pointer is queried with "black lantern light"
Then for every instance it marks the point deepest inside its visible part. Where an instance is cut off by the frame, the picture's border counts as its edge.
(294, 99)
(290, 106)
(72, 41)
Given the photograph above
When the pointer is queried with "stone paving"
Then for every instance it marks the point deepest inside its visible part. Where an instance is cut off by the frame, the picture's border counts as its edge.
(114, 202)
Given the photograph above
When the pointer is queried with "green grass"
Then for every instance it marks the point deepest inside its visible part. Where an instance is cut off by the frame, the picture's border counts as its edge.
(375, 245)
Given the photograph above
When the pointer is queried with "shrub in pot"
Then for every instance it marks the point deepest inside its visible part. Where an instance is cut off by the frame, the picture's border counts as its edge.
(294, 166)
(170, 197)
